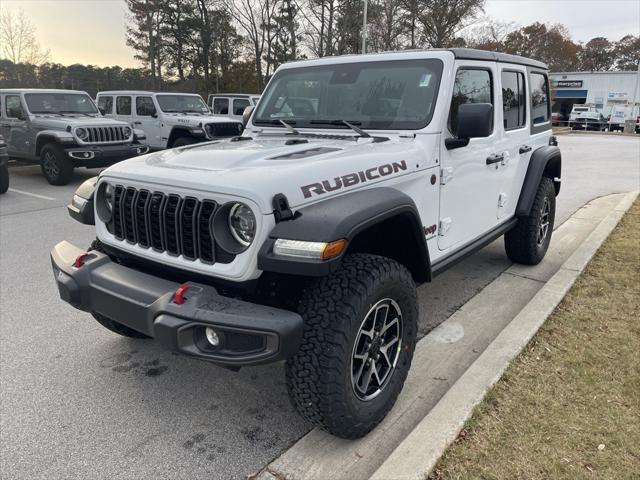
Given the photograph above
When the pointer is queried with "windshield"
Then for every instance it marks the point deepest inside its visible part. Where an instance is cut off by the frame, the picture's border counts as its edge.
(375, 95)
(182, 104)
(61, 103)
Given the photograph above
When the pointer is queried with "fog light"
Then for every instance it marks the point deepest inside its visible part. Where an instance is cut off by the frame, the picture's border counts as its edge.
(212, 337)
(86, 154)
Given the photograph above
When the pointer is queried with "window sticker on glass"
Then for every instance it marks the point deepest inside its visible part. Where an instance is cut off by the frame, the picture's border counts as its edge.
(424, 80)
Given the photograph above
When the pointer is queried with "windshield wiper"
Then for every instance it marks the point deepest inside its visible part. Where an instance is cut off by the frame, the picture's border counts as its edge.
(291, 130)
(73, 112)
(352, 125)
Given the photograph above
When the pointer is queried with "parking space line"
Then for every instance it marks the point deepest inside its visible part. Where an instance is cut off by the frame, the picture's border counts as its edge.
(44, 197)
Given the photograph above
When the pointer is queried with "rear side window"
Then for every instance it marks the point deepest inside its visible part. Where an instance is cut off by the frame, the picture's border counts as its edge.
(513, 99)
(145, 107)
(239, 104)
(105, 104)
(13, 106)
(539, 98)
(221, 106)
(470, 86)
(123, 105)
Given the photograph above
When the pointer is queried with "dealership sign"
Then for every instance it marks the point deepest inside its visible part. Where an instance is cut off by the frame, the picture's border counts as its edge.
(569, 84)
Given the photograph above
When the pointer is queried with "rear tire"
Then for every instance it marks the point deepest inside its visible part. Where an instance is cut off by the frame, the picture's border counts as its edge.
(56, 166)
(4, 178)
(528, 241)
(331, 380)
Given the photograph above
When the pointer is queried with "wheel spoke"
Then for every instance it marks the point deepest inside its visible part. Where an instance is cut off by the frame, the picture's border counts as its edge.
(392, 323)
(367, 377)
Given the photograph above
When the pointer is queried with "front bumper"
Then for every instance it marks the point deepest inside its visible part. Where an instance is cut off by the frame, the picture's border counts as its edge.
(98, 156)
(250, 334)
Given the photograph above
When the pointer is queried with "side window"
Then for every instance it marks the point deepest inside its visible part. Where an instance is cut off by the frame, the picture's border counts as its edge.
(513, 99)
(539, 98)
(13, 106)
(470, 86)
(105, 104)
(239, 104)
(123, 105)
(145, 107)
(221, 106)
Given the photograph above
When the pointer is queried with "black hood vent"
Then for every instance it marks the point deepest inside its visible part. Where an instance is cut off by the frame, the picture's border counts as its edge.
(310, 152)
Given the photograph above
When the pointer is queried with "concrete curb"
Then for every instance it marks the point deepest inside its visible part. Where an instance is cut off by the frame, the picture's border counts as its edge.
(418, 454)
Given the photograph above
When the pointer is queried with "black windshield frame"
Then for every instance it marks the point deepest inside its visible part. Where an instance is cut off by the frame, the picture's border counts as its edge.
(329, 78)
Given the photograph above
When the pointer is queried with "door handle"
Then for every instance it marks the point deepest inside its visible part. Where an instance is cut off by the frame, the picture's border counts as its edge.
(495, 158)
(138, 123)
(525, 149)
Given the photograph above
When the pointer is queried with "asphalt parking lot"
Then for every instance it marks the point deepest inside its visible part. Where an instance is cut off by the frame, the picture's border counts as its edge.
(79, 401)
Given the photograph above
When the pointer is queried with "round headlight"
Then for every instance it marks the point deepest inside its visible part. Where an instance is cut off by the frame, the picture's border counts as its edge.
(108, 197)
(127, 131)
(242, 224)
(81, 133)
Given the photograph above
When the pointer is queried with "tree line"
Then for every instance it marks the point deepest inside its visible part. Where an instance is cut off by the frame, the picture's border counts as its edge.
(235, 45)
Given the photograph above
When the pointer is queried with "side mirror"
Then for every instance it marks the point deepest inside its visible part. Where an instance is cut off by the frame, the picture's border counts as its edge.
(246, 115)
(102, 111)
(475, 120)
(154, 114)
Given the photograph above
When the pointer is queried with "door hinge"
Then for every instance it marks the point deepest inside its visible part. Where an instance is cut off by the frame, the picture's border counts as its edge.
(445, 225)
(503, 198)
(446, 174)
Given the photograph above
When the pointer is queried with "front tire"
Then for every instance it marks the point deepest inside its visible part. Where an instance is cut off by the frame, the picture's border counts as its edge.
(56, 166)
(183, 141)
(360, 326)
(528, 241)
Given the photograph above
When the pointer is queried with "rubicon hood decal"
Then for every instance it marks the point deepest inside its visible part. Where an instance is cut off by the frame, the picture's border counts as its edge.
(352, 179)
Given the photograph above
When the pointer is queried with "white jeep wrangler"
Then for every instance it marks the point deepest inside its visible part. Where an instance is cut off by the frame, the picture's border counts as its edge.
(168, 119)
(303, 240)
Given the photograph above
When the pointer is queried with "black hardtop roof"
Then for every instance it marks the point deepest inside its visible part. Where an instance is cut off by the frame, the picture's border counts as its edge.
(486, 55)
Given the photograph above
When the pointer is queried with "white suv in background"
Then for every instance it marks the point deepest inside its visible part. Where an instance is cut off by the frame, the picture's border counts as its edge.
(231, 104)
(168, 119)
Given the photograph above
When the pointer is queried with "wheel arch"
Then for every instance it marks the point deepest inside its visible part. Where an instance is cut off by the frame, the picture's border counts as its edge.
(545, 162)
(381, 221)
(177, 132)
(52, 136)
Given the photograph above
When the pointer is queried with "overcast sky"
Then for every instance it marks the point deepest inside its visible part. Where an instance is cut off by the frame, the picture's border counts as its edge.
(93, 31)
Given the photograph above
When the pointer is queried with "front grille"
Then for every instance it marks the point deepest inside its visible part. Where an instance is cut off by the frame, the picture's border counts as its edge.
(106, 134)
(166, 223)
(230, 129)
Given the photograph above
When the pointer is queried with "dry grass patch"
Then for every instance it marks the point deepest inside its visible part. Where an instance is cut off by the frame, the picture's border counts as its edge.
(569, 406)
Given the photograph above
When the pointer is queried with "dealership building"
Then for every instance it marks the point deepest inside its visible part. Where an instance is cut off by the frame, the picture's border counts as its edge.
(602, 90)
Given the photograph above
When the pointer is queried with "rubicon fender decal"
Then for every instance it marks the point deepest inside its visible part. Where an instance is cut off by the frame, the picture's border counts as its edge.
(352, 179)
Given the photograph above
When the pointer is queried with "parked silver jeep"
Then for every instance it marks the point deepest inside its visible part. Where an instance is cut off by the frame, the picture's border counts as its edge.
(63, 129)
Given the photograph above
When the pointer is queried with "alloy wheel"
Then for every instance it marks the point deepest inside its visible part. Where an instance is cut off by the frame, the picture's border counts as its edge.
(376, 349)
(543, 225)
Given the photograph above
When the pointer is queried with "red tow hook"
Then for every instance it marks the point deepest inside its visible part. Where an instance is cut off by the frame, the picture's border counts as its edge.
(179, 297)
(80, 260)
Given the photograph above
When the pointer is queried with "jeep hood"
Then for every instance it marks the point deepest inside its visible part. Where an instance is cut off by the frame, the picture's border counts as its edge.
(55, 122)
(259, 168)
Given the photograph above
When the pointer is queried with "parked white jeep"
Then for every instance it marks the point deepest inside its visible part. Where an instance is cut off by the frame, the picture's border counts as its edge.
(303, 240)
(168, 119)
(231, 104)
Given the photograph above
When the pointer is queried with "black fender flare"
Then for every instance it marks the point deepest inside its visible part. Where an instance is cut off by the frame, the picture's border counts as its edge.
(344, 217)
(83, 211)
(545, 161)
